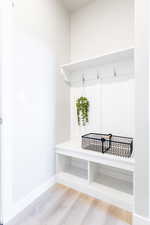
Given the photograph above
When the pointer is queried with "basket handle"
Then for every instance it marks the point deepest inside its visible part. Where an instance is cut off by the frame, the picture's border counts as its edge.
(103, 140)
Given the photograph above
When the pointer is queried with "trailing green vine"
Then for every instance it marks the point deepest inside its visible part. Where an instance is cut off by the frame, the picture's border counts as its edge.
(82, 105)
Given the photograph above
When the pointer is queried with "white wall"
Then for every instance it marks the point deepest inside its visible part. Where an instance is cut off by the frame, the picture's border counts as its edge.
(98, 28)
(0, 109)
(109, 112)
(38, 43)
(101, 27)
(142, 168)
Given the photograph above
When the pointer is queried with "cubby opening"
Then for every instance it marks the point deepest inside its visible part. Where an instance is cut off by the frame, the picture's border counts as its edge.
(73, 166)
(111, 177)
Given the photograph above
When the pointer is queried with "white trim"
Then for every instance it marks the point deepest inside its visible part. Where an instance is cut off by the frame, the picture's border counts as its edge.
(73, 148)
(139, 220)
(107, 192)
(97, 62)
(98, 191)
(26, 201)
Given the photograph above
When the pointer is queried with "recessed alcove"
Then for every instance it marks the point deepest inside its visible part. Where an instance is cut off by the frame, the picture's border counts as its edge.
(101, 68)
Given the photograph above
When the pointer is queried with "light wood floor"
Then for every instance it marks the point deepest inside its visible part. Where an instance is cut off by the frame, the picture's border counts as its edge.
(64, 206)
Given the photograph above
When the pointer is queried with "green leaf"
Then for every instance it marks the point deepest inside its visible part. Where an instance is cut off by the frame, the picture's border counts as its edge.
(82, 105)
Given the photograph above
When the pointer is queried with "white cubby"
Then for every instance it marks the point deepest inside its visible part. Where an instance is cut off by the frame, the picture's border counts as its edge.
(72, 166)
(102, 176)
(108, 176)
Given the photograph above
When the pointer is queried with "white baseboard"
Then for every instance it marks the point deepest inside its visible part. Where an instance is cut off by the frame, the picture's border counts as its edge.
(139, 220)
(25, 202)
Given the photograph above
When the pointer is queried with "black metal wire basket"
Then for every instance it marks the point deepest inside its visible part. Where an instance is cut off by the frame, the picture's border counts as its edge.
(108, 143)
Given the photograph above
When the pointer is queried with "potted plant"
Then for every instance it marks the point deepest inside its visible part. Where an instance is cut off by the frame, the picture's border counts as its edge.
(82, 105)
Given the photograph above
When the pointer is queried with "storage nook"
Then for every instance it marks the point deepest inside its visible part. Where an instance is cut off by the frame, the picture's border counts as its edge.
(98, 159)
(72, 166)
(106, 177)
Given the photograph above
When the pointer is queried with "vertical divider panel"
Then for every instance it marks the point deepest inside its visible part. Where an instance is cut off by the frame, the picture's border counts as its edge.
(60, 163)
(91, 172)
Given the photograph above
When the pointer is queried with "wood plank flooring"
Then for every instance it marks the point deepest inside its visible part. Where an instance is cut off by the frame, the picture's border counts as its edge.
(64, 206)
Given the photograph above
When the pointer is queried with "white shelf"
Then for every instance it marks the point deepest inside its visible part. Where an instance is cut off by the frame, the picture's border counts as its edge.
(75, 171)
(68, 179)
(115, 183)
(73, 148)
(98, 61)
(117, 179)
(73, 166)
(113, 196)
(104, 177)
(97, 190)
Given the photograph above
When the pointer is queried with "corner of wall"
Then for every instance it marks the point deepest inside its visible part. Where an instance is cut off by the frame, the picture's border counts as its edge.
(139, 220)
(30, 198)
